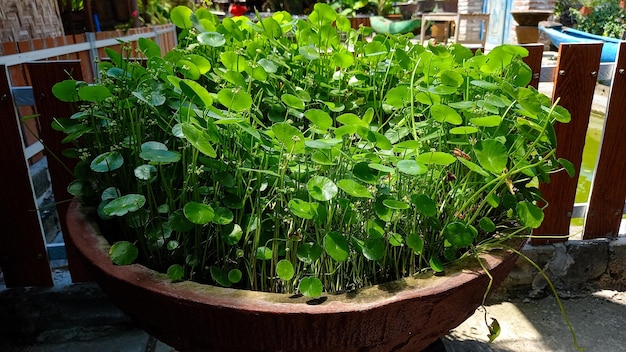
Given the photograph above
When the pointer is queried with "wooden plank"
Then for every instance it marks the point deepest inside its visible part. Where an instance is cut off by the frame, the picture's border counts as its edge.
(574, 85)
(608, 191)
(48, 108)
(535, 54)
(85, 59)
(23, 256)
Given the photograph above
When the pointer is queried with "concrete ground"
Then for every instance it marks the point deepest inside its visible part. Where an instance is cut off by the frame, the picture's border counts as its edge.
(78, 317)
(527, 324)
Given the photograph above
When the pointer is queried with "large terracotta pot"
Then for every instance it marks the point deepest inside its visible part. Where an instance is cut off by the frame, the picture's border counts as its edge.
(405, 315)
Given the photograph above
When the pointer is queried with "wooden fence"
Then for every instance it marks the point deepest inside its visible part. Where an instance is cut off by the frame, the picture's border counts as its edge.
(23, 255)
(25, 89)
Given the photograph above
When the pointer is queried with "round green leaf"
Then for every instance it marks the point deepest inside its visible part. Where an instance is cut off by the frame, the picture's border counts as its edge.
(491, 155)
(175, 272)
(94, 94)
(301, 208)
(284, 270)
(310, 287)
(484, 84)
(320, 118)
(530, 215)
(196, 92)
(321, 188)
(198, 213)
(110, 193)
(223, 216)
(146, 172)
(365, 173)
(382, 168)
(235, 275)
(309, 252)
(231, 234)
(395, 204)
(220, 276)
(125, 204)
(451, 78)
(464, 130)
(213, 39)
(436, 158)
(411, 167)
(568, 166)
(123, 253)
(354, 188)
(268, 66)
(309, 52)
(493, 200)
(171, 245)
(322, 143)
(66, 90)
(424, 204)
(198, 138)
(442, 90)
(234, 61)
(436, 265)
(235, 99)
(381, 210)
(396, 240)
(292, 101)
(337, 246)
(487, 121)
(415, 242)
(179, 222)
(458, 234)
(289, 136)
(444, 113)
(472, 166)
(181, 17)
(160, 156)
(375, 228)
(106, 162)
(188, 69)
(487, 225)
(263, 253)
(77, 187)
(374, 249)
(149, 47)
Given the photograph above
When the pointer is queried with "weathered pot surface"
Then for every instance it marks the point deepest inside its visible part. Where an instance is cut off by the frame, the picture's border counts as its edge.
(405, 315)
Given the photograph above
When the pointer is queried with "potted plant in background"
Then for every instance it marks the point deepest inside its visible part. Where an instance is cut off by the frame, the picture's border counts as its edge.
(334, 176)
(602, 18)
(357, 11)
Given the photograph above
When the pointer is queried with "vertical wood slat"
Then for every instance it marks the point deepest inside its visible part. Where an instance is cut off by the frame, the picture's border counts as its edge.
(608, 192)
(535, 54)
(574, 85)
(23, 256)
(46, 75)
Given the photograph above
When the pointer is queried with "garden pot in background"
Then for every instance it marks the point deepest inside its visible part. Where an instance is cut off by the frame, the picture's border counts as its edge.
(404, 315)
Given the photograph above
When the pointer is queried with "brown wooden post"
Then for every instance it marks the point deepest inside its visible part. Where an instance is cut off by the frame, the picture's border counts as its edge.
(45, 75)
(574, 85)
(23, 255)
(606, 203)
(535, 54)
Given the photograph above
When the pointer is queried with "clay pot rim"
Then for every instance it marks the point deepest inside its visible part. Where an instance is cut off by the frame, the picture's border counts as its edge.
(92, 246)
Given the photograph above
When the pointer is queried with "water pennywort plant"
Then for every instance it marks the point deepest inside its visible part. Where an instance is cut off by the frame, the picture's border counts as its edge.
(291, 155)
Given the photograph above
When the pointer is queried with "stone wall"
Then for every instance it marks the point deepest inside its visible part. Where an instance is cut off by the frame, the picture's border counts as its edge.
(24, 20)
(469, 30)
(575, 268)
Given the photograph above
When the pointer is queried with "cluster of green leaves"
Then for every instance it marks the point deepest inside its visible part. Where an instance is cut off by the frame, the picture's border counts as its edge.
(606, 19)
(294, 156)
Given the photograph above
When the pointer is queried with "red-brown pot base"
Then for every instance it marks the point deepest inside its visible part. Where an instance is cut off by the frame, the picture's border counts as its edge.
(404, 315)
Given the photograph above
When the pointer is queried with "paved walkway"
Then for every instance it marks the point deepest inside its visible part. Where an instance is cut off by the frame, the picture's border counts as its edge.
(79, 318)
